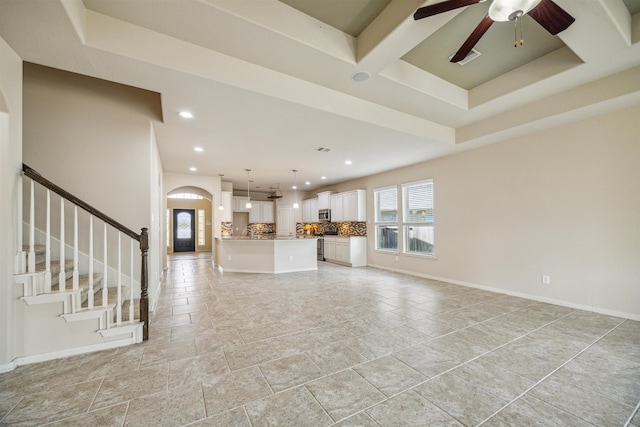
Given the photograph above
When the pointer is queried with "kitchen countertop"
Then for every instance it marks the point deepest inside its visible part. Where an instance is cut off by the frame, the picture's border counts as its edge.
(268, 237)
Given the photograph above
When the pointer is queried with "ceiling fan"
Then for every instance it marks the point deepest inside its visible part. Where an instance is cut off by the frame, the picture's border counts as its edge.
(549, 15)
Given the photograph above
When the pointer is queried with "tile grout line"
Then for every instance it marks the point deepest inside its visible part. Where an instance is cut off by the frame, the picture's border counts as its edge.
(551, 373)
(633, 413)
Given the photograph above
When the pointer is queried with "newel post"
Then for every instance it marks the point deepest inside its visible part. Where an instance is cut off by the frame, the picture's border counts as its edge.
(144, 284)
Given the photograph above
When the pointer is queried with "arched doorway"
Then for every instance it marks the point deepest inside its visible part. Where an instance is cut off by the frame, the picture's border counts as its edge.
(189, 226)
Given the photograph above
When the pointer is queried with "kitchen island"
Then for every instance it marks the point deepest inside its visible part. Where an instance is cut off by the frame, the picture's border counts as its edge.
(266, 255)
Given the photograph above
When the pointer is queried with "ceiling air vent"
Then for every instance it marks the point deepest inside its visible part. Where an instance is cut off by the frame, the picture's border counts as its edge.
(323, 150)
(470, 57)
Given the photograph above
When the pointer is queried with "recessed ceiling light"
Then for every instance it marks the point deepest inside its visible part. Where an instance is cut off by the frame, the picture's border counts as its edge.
(198, 149)
(347, 162)
(307, 183)
(192, 169)
(360, 76)
(185, 114)
(323, 177)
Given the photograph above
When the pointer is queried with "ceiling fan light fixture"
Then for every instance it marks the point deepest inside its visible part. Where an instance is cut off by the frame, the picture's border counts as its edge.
(505, 10)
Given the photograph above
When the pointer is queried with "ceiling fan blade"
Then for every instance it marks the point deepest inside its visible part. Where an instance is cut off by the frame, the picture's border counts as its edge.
(444, 6)
(473, 38)
(551, 17)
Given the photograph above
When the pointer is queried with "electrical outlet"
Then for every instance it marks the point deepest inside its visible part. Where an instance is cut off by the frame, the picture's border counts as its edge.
(290, 257)
(396, 257)
(228, 257)
(546, 280)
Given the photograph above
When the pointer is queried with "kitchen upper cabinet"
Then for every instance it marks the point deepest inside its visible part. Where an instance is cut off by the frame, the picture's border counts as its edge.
(226, 200)
(349, 206)
(354, 206)
(337, 208)
(324, 199)
(310, 210)
(261, 212)
(239, 203)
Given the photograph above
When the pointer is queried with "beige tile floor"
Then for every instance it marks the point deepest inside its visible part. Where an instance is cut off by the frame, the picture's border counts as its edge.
(344, 347)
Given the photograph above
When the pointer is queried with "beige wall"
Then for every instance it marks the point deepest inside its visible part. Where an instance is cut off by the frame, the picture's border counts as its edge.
(563, 202)
(10, 166)
(91, 137)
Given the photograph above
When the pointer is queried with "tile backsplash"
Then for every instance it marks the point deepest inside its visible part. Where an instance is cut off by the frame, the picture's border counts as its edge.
(344, 228)
(257, 228)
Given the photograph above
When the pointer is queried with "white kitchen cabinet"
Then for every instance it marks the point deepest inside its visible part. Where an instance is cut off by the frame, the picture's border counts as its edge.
(351, 251)
(226, 200)
(310, 210)
(337, 209)
(324, 200)
(261, 212)
(330, 248)
(349, 206)
(354, 206)
(239, 204)
(343, 249)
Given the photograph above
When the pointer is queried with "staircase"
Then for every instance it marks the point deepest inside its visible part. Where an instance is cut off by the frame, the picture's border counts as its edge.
(83, 303)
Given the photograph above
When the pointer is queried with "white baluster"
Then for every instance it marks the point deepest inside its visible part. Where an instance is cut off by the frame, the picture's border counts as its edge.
(20, 262)
(62, 277)
(31, 259)
(90, 302)
(47, 247)
(105, 291)
(131, 285)
(119, 291)
(76, 273)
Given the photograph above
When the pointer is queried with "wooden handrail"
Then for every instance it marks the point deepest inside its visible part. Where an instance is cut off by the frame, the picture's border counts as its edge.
(143, 238)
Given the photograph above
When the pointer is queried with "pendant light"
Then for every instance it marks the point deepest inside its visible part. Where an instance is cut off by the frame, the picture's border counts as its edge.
(248, 205)
(295, 189)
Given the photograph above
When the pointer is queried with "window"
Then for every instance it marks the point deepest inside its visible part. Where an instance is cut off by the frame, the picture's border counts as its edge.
(201, 224)
(418, 218)
(168, 228)
(184, 196)
(386, 218)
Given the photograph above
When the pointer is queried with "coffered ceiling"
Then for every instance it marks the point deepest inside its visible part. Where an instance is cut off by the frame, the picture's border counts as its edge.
(270, 82)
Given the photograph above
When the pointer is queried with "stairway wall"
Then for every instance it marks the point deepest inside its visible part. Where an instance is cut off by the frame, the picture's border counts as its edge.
(78, 126)
(10, 165)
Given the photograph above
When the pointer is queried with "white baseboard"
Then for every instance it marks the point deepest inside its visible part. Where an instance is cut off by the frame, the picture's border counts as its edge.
(27, 360)
(538, 298)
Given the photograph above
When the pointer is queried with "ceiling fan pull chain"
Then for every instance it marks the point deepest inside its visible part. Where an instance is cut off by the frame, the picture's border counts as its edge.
(517, 20)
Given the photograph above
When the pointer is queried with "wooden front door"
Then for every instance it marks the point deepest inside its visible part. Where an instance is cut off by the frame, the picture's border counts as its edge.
(184, 230)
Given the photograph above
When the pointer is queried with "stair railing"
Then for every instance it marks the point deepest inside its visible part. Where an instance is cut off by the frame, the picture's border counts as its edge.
(142, 238)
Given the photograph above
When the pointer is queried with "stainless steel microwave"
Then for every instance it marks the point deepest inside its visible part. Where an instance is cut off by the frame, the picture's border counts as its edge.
(324, 215)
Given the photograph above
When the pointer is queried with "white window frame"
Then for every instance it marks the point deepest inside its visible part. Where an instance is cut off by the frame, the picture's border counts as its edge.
(378, 222)
(409, 222)
(202, 230)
